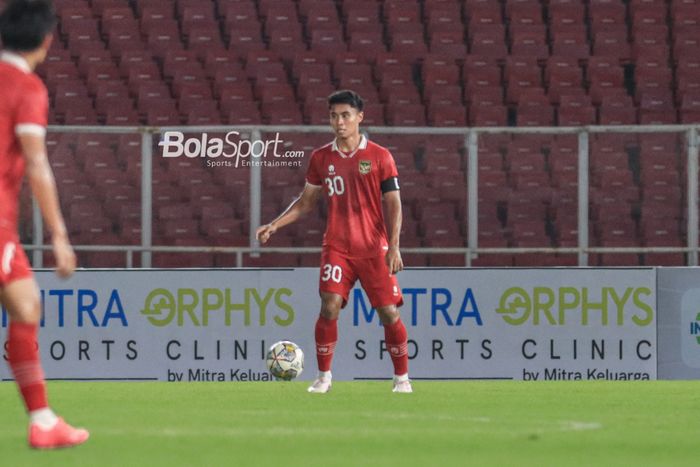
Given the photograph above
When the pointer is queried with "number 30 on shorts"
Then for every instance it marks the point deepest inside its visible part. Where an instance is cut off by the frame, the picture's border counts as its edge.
(331, 272)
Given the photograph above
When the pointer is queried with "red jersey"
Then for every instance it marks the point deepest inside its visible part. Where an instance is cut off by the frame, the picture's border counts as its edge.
(24, 106)
(352, 184)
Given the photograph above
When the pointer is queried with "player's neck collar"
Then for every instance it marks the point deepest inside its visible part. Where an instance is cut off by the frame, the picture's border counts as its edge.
(15, 60)
(362, 145)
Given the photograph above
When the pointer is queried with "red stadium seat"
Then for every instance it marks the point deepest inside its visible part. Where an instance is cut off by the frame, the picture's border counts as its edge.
(617, 259)
(607, 16)
(319, 15)
(566, 14)
(570, 43)
(562, 74)
(366, 43)
(690, 107)
(352, 75)
(488, 115)
(362, 17)
(443, 95)
(443, 17)
(401, 94)
(535, 115)
(488, 44)
(448, 42)
(482, 13)
(529, 44)
(327, 43)
(406, 115)
(575, 110)
(612, 45)
(408, 44)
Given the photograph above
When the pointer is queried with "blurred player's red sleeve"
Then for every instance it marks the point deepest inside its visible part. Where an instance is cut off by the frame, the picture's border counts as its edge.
(33, 106)
(313, 175)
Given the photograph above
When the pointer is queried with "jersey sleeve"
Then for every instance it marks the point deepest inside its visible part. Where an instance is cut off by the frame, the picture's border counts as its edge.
(313, 173)
(387, 167)
(32, 109)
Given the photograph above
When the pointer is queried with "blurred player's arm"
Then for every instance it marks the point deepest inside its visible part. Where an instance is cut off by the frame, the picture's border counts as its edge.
(392, 203)
(299, 207)
(43, 185)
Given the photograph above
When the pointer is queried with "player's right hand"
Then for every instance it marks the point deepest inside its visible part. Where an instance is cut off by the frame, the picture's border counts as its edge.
(65, 257)
(264, 232)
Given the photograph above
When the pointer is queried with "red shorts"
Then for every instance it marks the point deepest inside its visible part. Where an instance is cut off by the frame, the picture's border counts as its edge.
(14, 264)
(339, 274)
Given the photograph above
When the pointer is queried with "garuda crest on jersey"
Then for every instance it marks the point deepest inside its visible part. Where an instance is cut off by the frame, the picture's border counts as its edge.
(365, 167)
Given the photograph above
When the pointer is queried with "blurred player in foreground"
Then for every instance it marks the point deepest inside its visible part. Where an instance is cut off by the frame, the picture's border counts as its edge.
(25, 28)
(354, 174)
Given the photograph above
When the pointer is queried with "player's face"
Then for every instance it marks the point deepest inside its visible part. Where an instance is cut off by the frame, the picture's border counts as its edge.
(345, 120)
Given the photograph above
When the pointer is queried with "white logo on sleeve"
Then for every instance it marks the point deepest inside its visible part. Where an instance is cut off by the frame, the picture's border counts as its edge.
(8, 254)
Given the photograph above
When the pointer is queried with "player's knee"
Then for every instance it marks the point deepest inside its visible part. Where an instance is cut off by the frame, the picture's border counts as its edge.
(27, 311)
(388, 314)
(22, 302)
(330, 311)
(329, 314)
(330, 306)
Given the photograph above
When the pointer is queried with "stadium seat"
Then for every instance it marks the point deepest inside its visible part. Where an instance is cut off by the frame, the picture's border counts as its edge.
(656, 107)
(525, 43)
(443, 95)
(690, 107)
(444, 16)
(408, 44)
(447, 115)
(607, 16)
(482, 13)
(448, 43)
(617, 259)
(488, 43)
(570, 42)
(488, 115)
(575, 110)
(362, 17)
(532, 115)
(612, 45)
(493, 260)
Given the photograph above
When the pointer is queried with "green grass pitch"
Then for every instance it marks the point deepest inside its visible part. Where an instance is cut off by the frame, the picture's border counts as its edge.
(364, 424)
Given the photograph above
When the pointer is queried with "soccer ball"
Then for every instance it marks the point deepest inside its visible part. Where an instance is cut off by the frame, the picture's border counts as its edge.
(285, 360)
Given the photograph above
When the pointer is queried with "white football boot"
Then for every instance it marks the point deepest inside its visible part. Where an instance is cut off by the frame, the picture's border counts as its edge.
(402, 384)
(322, 384)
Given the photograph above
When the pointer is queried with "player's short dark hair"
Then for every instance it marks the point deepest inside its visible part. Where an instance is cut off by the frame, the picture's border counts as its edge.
(24, 24)
(346, 96)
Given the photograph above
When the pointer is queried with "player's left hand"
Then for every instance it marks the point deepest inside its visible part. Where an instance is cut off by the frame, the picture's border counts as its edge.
(264, 232)
(65, 256)
(393, 260)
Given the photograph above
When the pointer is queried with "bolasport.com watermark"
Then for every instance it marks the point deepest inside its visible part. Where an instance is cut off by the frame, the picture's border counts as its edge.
(231, 150)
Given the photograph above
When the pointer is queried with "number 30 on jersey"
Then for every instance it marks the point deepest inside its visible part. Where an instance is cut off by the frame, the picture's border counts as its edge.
(330, 272)
(336, 185)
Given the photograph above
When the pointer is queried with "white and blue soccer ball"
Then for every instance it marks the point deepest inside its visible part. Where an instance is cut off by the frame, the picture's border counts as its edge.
(285, 360)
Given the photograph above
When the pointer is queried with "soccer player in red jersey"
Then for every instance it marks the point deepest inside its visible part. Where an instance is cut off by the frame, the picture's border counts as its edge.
(26, 31)
(354, 174)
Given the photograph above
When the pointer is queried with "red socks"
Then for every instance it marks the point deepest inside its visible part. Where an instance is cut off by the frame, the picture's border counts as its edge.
(326, 338)
(397, 342)
(23, 359)
(395, 335)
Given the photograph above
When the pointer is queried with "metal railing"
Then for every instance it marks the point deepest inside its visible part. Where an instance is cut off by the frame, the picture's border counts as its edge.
(471, 144)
